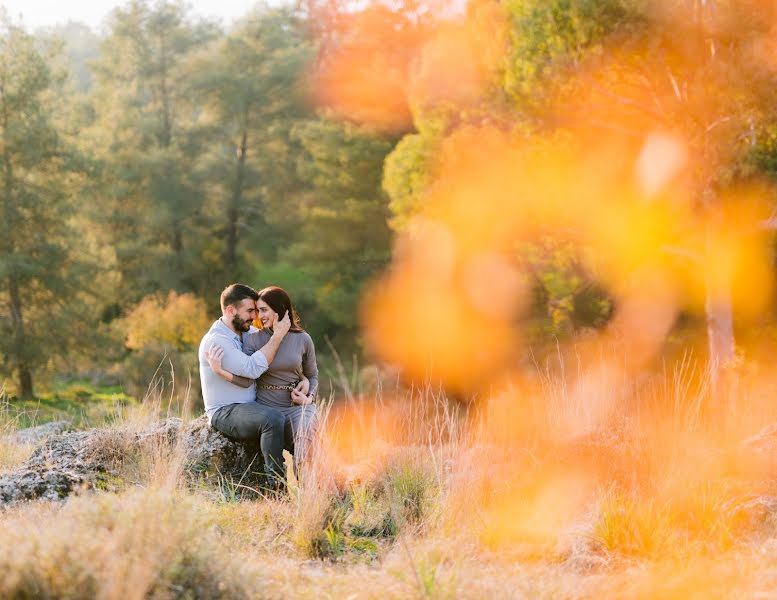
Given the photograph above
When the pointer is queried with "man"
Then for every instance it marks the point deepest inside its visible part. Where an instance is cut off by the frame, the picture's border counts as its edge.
(231, 408)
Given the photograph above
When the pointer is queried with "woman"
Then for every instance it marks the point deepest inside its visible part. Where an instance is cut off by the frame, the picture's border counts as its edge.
(295, 358)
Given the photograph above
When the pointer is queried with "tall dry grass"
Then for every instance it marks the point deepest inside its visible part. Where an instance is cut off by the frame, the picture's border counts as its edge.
(12, 452)
(554, 486)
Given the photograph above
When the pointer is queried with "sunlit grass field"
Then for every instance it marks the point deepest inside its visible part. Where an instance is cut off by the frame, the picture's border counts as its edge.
(77, 401)
(561, 486)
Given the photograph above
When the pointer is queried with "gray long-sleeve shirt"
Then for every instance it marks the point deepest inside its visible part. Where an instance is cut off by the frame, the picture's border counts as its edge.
(296, 356)
(218, 392)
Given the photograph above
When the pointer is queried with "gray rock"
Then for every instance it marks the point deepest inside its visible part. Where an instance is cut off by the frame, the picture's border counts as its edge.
(755, 513)
(211, 454)
(83, 460)
(35, 435)
(54, 470)
(755, 458)
(764, 442)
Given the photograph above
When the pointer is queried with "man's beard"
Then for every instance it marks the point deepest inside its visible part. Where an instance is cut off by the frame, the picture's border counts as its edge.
(240, 324)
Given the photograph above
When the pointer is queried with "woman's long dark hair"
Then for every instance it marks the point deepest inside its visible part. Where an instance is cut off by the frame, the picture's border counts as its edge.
(278, 299)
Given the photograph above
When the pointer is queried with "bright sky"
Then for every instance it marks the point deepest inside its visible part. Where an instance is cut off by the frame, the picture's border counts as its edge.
(44, 13)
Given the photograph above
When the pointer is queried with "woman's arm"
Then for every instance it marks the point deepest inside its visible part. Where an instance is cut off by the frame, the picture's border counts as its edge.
(309, 366)
(214, 356)
(310, 370)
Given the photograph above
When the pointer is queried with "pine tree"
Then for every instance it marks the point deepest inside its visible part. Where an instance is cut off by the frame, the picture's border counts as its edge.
(42, 270)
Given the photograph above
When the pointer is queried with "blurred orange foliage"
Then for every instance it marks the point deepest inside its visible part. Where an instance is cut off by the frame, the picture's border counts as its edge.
(176, 320)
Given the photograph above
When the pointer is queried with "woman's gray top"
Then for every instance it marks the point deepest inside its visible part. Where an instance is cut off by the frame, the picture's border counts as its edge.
(296, 356)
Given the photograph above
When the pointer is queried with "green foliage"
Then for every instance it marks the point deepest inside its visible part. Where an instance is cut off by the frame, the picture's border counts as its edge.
(407, 175)
(614, 66)
(411, 488)
(330, 543)
(248, 83)
(566, 297)
(233, 491)
(80, 47)
(545, 42)
(340, 219)
(761, 157)
(43, 266)
(148, 124)
(335, 542)
(548, 37)
(365, 546)
(371, 513)
(368, 515)
(182, 157)
(80, 402)
(198, 163)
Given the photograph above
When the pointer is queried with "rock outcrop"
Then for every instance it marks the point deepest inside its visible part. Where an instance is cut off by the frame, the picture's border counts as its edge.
(55, 470)
(35, 435)
(81, 460)
(211, 454)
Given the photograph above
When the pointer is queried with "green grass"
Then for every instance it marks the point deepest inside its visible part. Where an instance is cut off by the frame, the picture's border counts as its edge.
(76, 401)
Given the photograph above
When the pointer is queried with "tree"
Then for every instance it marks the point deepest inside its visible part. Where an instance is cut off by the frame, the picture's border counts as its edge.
(688, 69)
(249, 83)
(42, 274)
(80, 47)
(341, 218)
(582, 72)
(147, 123)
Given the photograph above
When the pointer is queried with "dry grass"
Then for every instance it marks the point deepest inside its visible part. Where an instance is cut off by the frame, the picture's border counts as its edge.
(143, 543)
(12, 453)
(584, 485)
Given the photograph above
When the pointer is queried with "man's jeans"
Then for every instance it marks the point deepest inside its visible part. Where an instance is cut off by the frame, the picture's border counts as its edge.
(252, 422)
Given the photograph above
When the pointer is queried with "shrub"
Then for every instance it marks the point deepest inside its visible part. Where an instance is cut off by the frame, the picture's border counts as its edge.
(163, 335)
(177, 321)
(411, 487)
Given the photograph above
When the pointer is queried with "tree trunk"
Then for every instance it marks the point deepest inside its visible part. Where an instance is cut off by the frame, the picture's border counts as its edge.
(23, 370)
(233, 210)
(178, 251)
(720, 327)
(718, 305)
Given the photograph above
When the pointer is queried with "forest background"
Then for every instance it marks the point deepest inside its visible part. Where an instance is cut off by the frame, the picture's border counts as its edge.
(145, 168)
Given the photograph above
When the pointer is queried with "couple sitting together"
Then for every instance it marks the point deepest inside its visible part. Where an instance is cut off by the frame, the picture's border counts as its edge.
(259, 385)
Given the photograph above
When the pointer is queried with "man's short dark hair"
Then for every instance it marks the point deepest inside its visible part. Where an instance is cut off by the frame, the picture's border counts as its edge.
(236, 293)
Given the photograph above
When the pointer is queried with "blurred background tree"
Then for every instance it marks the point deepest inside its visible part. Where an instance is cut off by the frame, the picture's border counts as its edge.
(146, 118)
(44, 270)
(250, 88)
